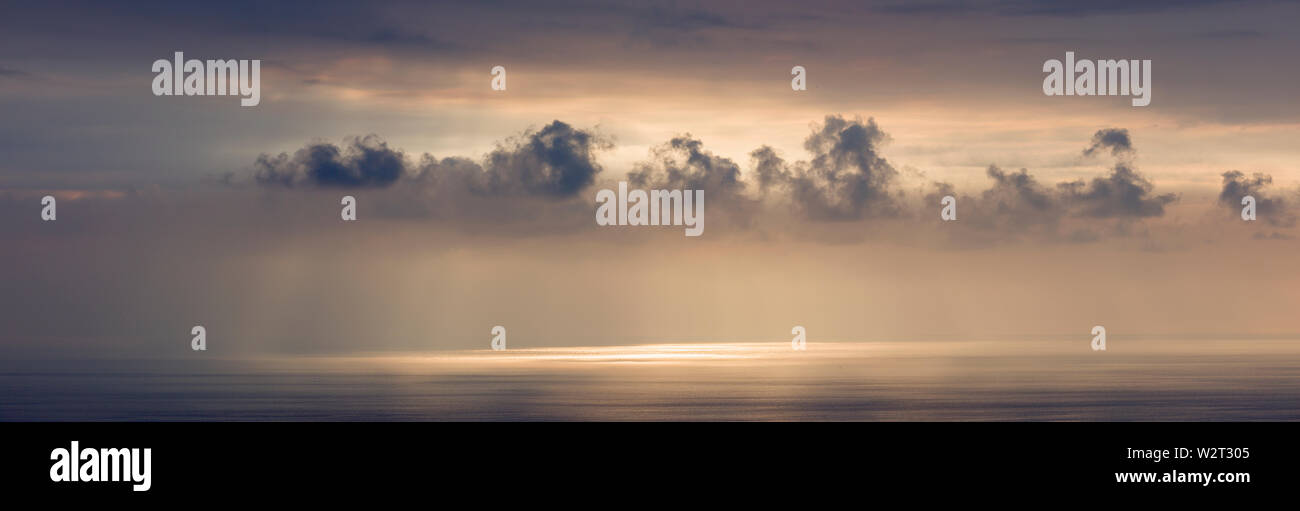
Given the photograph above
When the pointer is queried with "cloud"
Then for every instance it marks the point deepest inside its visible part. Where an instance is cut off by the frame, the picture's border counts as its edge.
(362, 162)
(557, 161)
(678, 18)
(1269, 207)
(1229, 34)
(1046, 8)
(846, 179)
(683, 163)
(769, 168)
(1117, 140)
(1017, 192)
(1017, 205)
(1122, 194)
(13, 73)
(393, 36)
(530, 184)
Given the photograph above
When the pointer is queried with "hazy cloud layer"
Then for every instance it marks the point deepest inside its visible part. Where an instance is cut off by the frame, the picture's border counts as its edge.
(417, 70)
(449, 243)
(452, 244)
(6, 72)
(1053, 8)
(1015, 202)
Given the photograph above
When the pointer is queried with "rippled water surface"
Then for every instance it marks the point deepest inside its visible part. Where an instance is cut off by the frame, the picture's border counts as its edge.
(1013, 380)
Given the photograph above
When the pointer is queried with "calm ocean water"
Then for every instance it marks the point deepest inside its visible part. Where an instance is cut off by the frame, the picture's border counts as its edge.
(1022, 380)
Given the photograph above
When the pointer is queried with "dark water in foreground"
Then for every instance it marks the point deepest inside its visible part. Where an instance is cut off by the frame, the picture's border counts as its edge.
(1023, 380)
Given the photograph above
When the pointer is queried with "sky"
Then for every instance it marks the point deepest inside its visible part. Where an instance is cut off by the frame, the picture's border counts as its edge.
(476, 207)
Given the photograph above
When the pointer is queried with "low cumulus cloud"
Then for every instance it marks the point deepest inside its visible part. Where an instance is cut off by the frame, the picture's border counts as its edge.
(683, 163)
(1015, 204)
(1122, 194)
(1271, 207)
(529, 184)
(556, 161)
(1018, 194)
(844, 179)
(1113, 139)
(361, 162)
(1018, 205)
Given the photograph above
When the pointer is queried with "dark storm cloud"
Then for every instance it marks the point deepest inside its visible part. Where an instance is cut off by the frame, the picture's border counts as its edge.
(362, 162)
(1117, 140)
(1269, 207)
(846, 179)
(557, 161)
(531, 184)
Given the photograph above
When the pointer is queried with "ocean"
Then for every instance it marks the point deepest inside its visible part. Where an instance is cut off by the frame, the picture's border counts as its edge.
(1034, 380)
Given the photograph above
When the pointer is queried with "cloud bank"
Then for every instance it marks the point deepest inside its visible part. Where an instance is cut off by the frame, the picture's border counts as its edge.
(550, 175)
